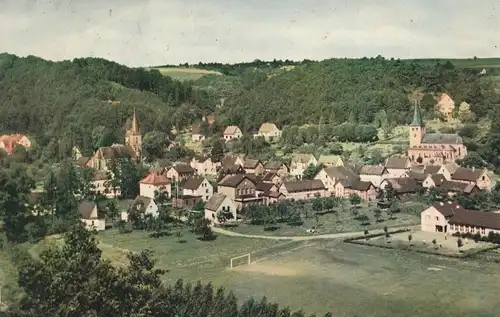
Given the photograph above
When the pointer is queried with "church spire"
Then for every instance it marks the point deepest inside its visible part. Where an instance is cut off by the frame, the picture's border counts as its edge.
(135, 128)
(417, 117)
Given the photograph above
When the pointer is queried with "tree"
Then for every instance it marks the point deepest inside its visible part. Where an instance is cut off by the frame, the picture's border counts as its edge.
(390, 192)
(154, 144)
(434, 242)
(460, 244)
(317, 204)
(410, 237)
(217, 152)
(377, 213)
(354, 199)
(472, 159)
(310, 172)
(364, 219)
(202, 229)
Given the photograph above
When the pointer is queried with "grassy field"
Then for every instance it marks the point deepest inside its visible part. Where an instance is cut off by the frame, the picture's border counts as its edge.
(329, 223)
(181, 73)
(321, 276)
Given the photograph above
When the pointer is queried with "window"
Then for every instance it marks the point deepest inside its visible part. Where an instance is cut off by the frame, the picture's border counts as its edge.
(483, 178)
(437, 218)
(483, 231)
(92, 223)
(206, 197)
(206, 190)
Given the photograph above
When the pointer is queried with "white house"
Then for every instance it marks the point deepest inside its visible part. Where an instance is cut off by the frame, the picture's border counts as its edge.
(204, 165)
(145, 205)
(219, 203)
(300, 163)
(232, 132)
(373, 173)
(198, 186)
(397, 166)
(92, 216)
(269, 131)
(154, 182)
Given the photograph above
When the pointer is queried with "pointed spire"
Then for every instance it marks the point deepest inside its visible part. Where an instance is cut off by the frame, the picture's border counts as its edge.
(417, 116)
(135, 127)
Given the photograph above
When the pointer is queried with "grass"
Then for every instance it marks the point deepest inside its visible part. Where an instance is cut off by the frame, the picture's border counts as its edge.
(330, 224)
(181, 73)
(321, 276)
(8, 280)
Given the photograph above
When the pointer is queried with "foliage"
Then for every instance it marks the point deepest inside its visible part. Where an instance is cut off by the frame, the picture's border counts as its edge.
(311, 171)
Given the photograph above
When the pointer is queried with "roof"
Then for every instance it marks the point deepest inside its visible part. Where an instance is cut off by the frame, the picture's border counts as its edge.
(330, 159)
(215, 201)
(340, 172)
(417, 117)
(116, 151)
(467, 174)
(481, 219)
(397, 162)
(231, 169)
(432, 169)
(232, 129)
(267, 127)
(304, 185)
(201, 158)
(82, 161)
(356, 184)
(403, 185)
(264, 187)
(196, 129)
(301, 158)
(193, 183)
(451, 167)
(85, 209)
(452, 186)
(100, 176)
(419, 177)
(143, 201)
(249, 163)
(438, 179)
(274, 194)
(229, 160)
(274, 165)
(234, 180)
(154, 178)
(268, 177)
(448, 208)
(372, 170)
(183, 168)
(442, 138)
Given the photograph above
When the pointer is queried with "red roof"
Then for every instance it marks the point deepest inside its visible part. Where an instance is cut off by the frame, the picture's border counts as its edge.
(10, 140)
(155, 179)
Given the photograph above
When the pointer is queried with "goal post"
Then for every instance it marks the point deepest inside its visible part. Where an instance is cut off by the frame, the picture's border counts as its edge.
(239, 260)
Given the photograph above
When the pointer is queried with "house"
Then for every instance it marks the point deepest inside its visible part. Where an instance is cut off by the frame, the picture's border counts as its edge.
(445, 106)
(101, 183)
(269, 131)
(433, 148)
(272, 197)
(219, 203)
(451, 217)
(279, 168)
(92, 216)
(402, 186)
(210, 119)
(366, 190)
(198, 186)
(144, 205)
(451, 188)
(397, 166)
(103, 157)
(373, 173)
(331, 160)
(154, 182)
(271, 177)
(185, 201)
(203, 165)
(229, 170)
(196, 133)
(232, 132)
(300, 162)
(303, 189)
(239, 188)
(435, 180)
(232, 160)
(473, 176)
(9, 141)
(253, 167)
(331, 175)
(180, 172)
(269, 192)
(448, 169)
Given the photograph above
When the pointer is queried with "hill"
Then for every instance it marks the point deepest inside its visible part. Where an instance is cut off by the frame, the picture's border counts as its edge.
(67, 101)
(185, 73)
(339, 90)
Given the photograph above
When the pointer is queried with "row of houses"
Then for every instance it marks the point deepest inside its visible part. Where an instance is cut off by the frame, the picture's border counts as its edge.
(268, 131)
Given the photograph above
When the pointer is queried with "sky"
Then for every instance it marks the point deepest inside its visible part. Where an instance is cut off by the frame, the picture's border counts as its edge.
(156, 32)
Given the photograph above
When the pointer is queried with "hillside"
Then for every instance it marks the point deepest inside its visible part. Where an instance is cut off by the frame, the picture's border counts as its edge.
(184, 73)
(68, 100)
(338, 90)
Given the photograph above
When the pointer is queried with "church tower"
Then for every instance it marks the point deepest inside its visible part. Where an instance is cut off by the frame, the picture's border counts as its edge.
(133, 137)
(417, 128)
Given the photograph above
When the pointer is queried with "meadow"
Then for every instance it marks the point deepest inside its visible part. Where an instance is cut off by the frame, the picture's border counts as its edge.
(320, 275)
(182, 73)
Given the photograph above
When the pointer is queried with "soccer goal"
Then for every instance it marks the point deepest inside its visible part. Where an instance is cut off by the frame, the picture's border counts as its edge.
(240, 260)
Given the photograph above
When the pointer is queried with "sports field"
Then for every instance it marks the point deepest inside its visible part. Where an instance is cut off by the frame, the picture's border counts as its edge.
(327, 275)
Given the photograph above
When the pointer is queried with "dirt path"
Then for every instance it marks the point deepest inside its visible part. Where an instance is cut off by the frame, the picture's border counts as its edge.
(340, 235)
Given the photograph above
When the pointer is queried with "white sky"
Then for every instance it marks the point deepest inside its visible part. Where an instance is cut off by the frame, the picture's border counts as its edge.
(150, 32)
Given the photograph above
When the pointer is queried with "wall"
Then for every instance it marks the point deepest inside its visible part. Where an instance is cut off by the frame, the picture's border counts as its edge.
(306, 195)
(430, 218)
(226, 205)
(374, 179)
(463, 229)
(148, 190)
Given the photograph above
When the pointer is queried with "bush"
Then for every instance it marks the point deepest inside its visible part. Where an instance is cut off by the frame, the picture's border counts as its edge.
(124, 227)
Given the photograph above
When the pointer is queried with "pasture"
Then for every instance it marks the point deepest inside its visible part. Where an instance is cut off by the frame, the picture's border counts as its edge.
(321, 276)
(183, 73)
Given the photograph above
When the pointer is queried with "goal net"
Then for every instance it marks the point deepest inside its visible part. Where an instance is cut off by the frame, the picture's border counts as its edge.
(240, 260)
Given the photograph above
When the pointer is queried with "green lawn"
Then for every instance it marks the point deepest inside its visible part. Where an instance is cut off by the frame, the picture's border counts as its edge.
(182, 73)
(329, 223)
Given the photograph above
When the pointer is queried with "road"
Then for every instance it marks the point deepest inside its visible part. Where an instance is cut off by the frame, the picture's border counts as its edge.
(341, 235)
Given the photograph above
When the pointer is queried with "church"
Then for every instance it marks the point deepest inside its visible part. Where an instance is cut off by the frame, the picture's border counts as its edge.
(133, 137)
(433, 148)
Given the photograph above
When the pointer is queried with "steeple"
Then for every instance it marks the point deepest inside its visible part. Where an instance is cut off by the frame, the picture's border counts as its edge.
(134, 128)
(417, 117)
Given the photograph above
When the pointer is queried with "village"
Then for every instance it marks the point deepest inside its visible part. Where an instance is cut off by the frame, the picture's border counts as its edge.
(224, 189)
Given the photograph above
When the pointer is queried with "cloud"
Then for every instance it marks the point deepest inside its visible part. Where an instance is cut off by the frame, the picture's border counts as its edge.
(150, 32)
